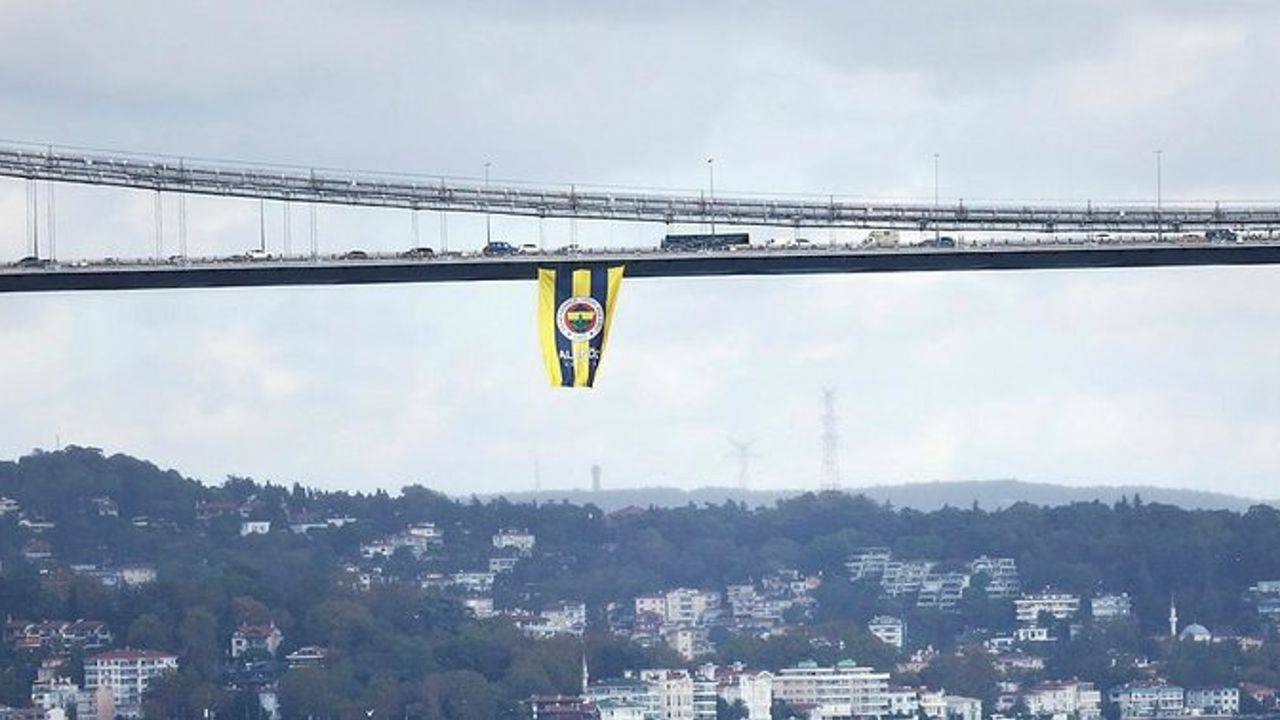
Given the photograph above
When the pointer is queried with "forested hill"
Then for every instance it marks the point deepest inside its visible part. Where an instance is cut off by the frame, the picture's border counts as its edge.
(403, 645)
(989, 494)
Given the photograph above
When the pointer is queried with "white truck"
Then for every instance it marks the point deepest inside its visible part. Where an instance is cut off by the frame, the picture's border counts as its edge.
(882, 238)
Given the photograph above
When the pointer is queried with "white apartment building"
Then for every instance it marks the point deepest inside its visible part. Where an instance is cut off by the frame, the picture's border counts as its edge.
(904, 577)
(1213, 700)
(889, 629)
(909, 702)
(522, 540)
(674, 692)
(681, 606)
(868, 562)
(846, 690)
(1147, 700)
(942, 590)
(963, 708)
(754, 691)
(1107, 607)
(1002, 573)
(1060, 605)
(1064, 699)
(1033, 633)
(126, 674)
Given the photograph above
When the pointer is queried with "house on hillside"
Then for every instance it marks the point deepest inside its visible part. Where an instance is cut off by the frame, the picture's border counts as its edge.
(263, 638)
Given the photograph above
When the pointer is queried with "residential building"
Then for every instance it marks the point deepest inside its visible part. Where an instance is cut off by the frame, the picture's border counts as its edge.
(8, 505)
(1015, 663)
(963, 708)
(1213, 700)
(680, 606)
(753, 690)
(1063, 699)
(904, 577)
(307, 656)
(1002, 576)
(521, 540)
(1107, 607)
(1266, 598)
(479, 607)
(255, 527)
(868, 562)
(626, 692)
(674, 692)
(499, 565)
(912, 702)
(561, 707)
(743, 600)
(616, 709)
(256, 638)
(125, 674)
(1033, 634)
(57, 635)
(1060, 605)
(942, 591)
(846, 689)
(889, 629)
(1147, 700)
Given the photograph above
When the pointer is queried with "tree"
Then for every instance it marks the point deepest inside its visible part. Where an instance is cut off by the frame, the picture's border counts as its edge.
(725, 711)
(149, 631)
(198, 641)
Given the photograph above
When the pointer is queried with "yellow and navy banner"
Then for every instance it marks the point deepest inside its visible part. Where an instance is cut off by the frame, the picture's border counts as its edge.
(575, 312)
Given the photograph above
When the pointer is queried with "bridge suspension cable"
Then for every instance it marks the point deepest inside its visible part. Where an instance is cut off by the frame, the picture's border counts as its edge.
(293, 184)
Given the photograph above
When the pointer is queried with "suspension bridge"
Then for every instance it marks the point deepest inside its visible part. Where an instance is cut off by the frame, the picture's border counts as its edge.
(1064, 235)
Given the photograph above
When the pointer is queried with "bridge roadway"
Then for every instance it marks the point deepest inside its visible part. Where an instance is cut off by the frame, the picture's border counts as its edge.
(418, 192)
(639, 264)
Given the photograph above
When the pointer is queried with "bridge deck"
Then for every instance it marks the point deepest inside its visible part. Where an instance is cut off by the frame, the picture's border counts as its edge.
(639, 265)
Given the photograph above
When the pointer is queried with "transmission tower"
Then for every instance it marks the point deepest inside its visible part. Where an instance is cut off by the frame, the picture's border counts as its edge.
(742, 450)
(830, 477)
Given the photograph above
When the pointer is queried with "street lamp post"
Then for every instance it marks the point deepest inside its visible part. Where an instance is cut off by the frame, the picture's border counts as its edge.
(488, 226)
(1159, 195)
(711, 184)
(937, 233)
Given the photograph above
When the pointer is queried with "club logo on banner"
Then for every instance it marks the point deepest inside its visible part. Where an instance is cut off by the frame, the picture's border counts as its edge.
(575, 311)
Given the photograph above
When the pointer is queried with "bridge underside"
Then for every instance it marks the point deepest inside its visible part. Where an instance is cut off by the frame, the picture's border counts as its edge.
(653, 265)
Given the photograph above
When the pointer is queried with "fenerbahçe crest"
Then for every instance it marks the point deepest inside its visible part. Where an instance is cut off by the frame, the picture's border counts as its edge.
(580, 319)
(575, 311)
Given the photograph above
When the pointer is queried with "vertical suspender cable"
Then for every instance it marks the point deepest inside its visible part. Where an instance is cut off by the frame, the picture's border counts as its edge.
(52, 224)
(315, 246)
(159, 226)
(33, 214)
(288, 231)
(182, 225)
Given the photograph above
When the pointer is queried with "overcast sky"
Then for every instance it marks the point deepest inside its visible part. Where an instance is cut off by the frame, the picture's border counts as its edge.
(1165, 377)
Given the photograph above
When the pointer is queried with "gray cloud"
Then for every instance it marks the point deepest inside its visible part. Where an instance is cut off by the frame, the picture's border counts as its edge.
(1135, 376)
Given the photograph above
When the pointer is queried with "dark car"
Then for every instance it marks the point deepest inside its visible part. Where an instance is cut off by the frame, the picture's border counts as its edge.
(418, 252)
(498, 248)
(32, 261)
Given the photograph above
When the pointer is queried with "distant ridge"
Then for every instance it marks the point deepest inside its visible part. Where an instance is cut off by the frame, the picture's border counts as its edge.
(989, 494)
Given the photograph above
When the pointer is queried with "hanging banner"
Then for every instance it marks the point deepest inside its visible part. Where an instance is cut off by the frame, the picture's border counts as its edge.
(575, 312)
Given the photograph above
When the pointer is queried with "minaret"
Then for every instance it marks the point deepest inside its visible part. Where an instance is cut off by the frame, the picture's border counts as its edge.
(1173, 619)
(584, 670)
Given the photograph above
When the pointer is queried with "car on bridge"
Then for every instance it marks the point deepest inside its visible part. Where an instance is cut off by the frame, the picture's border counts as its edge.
(354, 255)
(418, 253)
(497, 248)
(31, 261)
